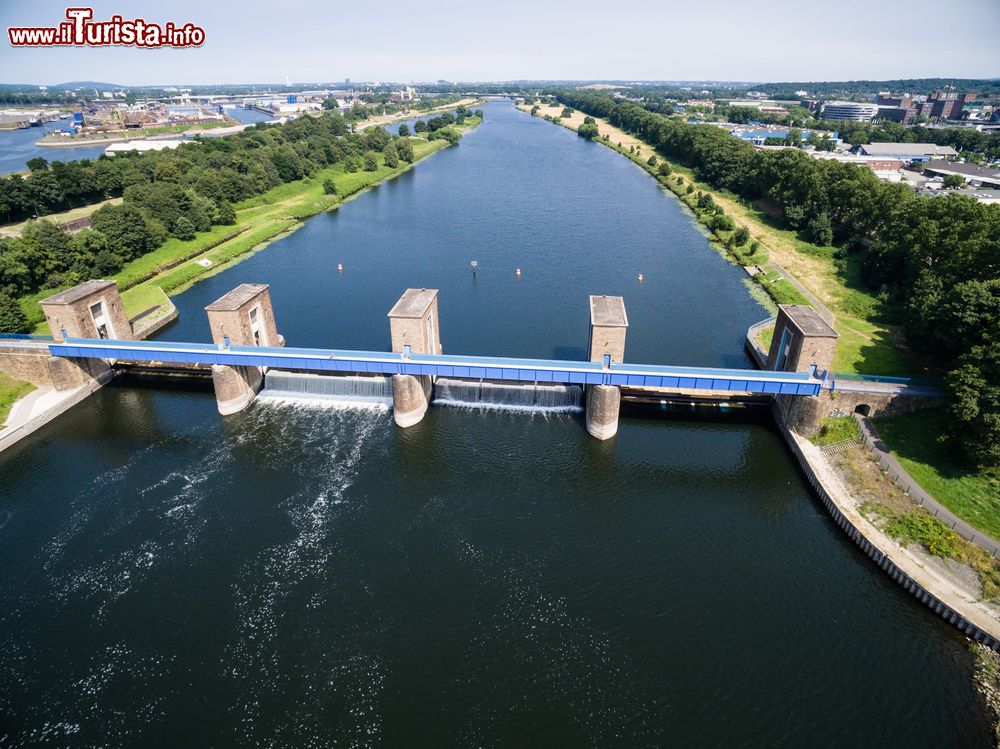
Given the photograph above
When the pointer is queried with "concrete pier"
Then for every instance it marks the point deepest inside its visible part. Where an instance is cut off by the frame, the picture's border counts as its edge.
(414, 325)
(243, 317)
(608, 328)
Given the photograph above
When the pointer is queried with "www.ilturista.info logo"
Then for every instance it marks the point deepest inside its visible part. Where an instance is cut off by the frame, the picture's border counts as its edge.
(80, 31)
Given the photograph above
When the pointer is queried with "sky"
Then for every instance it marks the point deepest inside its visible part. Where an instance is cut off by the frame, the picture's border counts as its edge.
(411, 40)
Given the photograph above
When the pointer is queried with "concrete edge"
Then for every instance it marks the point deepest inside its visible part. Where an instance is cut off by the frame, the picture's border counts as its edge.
(758, 354)
(13, 435)
(889, 560)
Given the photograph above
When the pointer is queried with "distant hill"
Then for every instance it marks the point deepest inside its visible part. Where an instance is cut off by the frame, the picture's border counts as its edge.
(98, 85)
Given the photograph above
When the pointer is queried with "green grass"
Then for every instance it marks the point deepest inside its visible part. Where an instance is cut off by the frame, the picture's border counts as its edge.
(10, 391)
(836, 429)
(765, 337)
(972, 494)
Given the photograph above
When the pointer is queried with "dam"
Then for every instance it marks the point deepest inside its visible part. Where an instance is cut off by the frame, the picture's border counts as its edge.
(295, 573)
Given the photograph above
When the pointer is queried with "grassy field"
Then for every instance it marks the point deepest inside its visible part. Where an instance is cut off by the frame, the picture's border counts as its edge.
(869, 343)
(175, 265)
(973, 495)
(10, 391)
(836, 429)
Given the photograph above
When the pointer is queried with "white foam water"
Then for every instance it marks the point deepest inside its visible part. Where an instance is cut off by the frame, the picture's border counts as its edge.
(506, 396)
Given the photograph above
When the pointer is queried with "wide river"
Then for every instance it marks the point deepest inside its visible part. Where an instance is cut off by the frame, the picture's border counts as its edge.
(308, 576)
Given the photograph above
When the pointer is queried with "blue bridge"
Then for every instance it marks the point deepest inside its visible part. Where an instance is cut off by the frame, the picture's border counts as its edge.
(441, 365)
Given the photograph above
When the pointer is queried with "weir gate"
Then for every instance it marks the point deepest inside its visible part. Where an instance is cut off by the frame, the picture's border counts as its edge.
(249, 353)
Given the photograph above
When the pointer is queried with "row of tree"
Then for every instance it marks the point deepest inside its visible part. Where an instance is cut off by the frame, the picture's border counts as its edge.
(936, 260)
(167, 193)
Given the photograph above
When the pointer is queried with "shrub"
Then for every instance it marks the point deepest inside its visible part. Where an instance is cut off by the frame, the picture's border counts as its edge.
(329, 188)
(741, 236)
(720, 222)
(371, 161)
(664, 169)
(651, 160)
(587, 130)
(184, 229)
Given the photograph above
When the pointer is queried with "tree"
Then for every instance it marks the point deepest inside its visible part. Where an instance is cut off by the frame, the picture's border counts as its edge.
(329, 188)
(37, 164)
(225, 214)
(587, 130)
(567, 112)
(954, 181)
(448, 134)
(664, 169)
(391, 155)
(371, 161)
(184, 229)
(720, 222)
(420, 126)
(741, 236)
(820, 231)
(404, 148)
(12, 317)
(404, 130)
(651, 160)
(974, 391)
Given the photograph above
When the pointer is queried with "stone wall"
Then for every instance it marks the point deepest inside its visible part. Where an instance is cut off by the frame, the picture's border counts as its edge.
(37, 366)
(806, 413)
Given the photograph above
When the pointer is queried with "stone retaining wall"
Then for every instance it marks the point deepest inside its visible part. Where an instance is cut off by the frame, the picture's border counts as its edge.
(880, 557)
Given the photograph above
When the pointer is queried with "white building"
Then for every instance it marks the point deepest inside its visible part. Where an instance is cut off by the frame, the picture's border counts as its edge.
(849, 110)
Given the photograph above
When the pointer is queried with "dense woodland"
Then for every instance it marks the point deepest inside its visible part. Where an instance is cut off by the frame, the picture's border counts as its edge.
(933, 261)
(171, 193)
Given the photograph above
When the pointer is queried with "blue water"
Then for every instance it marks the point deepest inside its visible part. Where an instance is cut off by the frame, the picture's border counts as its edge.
(303, 576)
(17, 147)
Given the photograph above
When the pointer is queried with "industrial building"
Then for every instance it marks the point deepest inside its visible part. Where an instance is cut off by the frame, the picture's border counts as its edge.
(906, 151)
(971, 173)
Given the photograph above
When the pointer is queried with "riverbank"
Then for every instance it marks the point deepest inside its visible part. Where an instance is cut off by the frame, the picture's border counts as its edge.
(176, 265)
(388, 119)
(57, 140)
(850, 485)
(867, 343)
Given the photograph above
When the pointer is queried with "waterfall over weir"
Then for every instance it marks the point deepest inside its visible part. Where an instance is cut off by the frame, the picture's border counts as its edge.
(506, 396)
(362, 391)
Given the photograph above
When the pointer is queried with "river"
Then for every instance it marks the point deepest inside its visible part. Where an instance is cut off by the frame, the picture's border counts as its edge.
(17, 147)
(299, 575)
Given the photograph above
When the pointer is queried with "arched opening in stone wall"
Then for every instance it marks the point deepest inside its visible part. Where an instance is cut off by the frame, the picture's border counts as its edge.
(864, 409)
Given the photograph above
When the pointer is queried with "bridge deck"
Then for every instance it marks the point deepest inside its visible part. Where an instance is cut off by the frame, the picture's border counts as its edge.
(475, 367)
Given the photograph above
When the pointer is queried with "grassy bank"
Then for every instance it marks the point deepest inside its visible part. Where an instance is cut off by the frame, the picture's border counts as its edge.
(868, 343)
(10, 391)
(177, 264)
(886, 506)
(969, 493)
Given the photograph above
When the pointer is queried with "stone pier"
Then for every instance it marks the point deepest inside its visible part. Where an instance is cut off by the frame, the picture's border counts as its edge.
(608, 327)
(802, 340)
(92, 309)
(415, 328)
(242, 317)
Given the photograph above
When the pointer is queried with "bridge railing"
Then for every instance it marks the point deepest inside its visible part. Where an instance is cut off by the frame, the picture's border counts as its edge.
(472, 367)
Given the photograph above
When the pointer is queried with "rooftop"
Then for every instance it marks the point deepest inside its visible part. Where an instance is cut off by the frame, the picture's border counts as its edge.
(413, 303)
(236, 298)
(808, 321)
(909, 149)
(608, 312)
(78, 292)
(969, 170)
